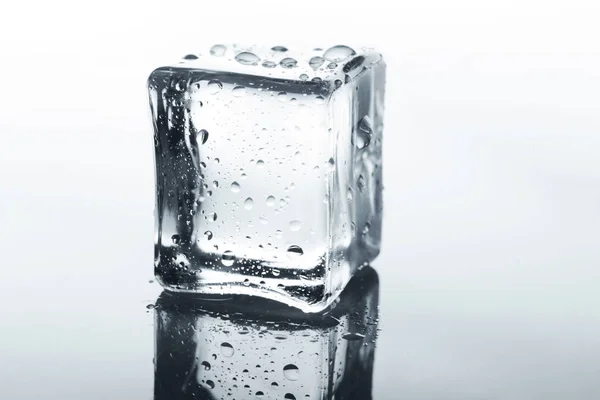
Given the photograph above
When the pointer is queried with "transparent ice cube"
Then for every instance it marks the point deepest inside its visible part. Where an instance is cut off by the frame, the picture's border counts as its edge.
(257, 348)
(268, 171)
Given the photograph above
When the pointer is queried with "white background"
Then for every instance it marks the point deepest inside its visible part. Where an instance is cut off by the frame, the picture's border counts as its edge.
(491, 260)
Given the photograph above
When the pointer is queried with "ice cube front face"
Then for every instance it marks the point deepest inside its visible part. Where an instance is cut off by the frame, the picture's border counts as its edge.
(268, 171)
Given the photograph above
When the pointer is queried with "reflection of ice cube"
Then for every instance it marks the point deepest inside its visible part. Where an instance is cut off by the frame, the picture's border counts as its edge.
(247, 347)
(268, 179)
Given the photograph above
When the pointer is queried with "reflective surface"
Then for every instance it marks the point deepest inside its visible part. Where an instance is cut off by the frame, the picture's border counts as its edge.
(246, 348)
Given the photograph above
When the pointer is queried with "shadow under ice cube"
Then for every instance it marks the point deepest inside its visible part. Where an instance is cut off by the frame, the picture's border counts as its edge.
(268, 171)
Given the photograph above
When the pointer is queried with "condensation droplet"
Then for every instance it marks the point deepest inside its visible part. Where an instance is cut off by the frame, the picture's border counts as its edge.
(260, 163)
(269, 64)
(291, 372)
(338, 83)
(190, 57)
(295, 225)
(247, 58)
(282, 96)
(263, 220)
(248, 203)
(288, 62)
(228, 258)
(238, 91)
(270, 201)
(218, 50)
(176, 239)
(206, 365)
(208, 235)
(353, 336)
(294, 251)
(150, 306)
(332, 65)
(212, 216)
(275, 272)
(226, 349)
(235, 187)
(210, 384)
(338, 53)
(350, 194)
(303, 77)
(214, 86)
(316, 62)
(364, 133)
(279, 48)
(319, 100)
(331, 164)
(202, 136)
(289, 396)
(360, 183)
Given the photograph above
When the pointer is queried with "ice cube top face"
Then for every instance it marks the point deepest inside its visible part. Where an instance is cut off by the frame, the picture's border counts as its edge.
(268, 171)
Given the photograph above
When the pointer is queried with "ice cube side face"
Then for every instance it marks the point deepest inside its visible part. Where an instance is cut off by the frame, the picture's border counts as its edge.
(267, 184)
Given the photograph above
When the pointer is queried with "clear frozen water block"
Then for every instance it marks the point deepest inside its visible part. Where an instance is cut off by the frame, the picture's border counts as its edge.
(268, 171)
(264, 350)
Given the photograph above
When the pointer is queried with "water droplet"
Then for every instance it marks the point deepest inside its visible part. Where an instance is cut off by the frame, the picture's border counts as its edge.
(208, 235)
(206, 365)
(270, 201)
(150, 306)
(282, 96)
(176, 239)
(190, 57)
(294, 252)
(216, 184)
(217, 160)
(338, 83)
(295, 225)
(316, 62)
(303, 77)
(279, 48)
(269, 64)
(275, 272)
(278, 233)
(331, 164)
(288, 63)
(214, 86)
(263, 220)
(235, 187)
(364, 133)
(202, 136)
(238, 91)
(291, 372)
(226, 349)
(218, 50)
(289, 396)
(260, 163)
(248, 203)
(338, 53)
(259, 394)
(319, 100)
(214, 356)
(360, 183)
(353, 336)
(212, 216)
(227, 259)
(274, 384)
(350, 194)
(210, 384)
(317, 79)
(247, 58)
(245, 283)
(180, 86)
(332, 65)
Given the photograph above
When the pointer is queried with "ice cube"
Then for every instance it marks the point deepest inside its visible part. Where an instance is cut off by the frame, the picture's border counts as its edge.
(242, 349)
(268, 171)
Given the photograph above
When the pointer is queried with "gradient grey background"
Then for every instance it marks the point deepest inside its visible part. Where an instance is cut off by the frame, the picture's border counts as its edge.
(491, 261)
